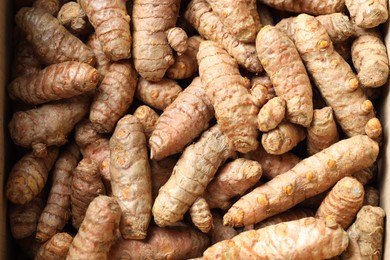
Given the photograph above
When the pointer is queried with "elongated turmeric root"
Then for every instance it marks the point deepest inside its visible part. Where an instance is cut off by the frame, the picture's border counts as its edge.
(50, 6)
(342, 202)
(56, 248)
(73, 17)
(48, 124)
(186, 65)
(182, 121)
(327, 239)
(152, 54)
(148, 118)
(262, 90)
(234, 109)
(240, 18)
(102, 61)
(338, 26)
(371, 196)
(283, 138)
(57, 81)
(288, 215)
(273, 165)
(233, 179)
(200, 215)
(208, 24)
(370, 59)
(177, 39)
(159, 94)
(368, 14)
(366, 234)
(282, 63)
(308, 178)
(104, 16)
(113, 97)
(322, 132)
(86, 186)
(57, 210)
(98, 230)
(23, 219)
(271, 114)
(333, 76)
(316, 7)
(28, 176)
(63, 46)
(187, 183)
(130, 177)
(176, 242)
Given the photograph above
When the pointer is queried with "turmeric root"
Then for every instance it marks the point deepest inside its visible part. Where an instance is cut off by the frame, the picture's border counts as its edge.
(288, 215)
(73, 18)
(261, 90)
(332, 75)
(271, 114)
(25, 61)
(367, 234)
(283, 138)
(48, 124)
(28, 176)
(187, 183)
(234, 109)
(367, 14)
(176, 242)
(50, 6)
(322, 132)
(311, 7)
(371, 197)
(113, 97)
(177, 39)
(56, 248)
(200, 215)
(220, 232)
(365, 175)
(273, 165)
(208, 24)
(158, 95)
(152, 54)
(95, 146)
(186, 65)
(148, 118)
(233, 179)
(102, 62)
(327, 239)
(86, 185)
(369, 57)
(112, 26)
(98, 230)
(63, 46)
(237, 17)
(338, 26)
(282, 63)
(57, 81)
(130, 177)
(342, 202)
(182, 121)
(23, 219)
(311, 176)
(161, 171)
(57, 210)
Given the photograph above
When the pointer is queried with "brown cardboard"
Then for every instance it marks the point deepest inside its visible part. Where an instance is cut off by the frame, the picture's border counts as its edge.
(5, 41)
